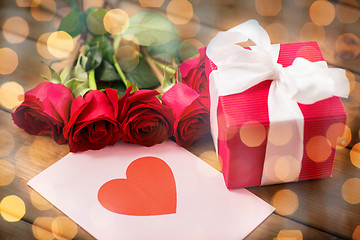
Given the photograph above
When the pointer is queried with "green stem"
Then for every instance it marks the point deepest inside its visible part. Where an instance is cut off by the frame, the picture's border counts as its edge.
(92, 82)
(120, 72)
(164, 67)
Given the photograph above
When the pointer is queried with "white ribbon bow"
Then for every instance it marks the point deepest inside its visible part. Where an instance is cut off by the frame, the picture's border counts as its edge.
(239, 69)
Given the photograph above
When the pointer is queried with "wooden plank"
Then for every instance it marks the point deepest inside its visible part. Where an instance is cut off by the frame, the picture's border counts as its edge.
(16, 230)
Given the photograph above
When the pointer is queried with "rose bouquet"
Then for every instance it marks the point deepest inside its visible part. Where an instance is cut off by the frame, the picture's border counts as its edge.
(127, 82)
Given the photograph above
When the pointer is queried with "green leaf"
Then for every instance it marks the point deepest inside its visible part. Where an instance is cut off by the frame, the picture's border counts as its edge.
(178, 49)
(73, 23)
(166, 51)
(106, 49)
(94, 58)
(44, 77)
(54, 76)
(150, 28)
(142, 76)
(118, 85)
(95, 20)
(106, 72)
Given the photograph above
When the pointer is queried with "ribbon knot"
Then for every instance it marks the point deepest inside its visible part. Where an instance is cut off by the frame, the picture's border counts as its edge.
(239, 69)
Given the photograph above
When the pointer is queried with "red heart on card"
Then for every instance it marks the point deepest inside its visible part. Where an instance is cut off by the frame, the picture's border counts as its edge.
(149, 189)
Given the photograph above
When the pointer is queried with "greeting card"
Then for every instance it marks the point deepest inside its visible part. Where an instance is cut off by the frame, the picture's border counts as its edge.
(129, 191)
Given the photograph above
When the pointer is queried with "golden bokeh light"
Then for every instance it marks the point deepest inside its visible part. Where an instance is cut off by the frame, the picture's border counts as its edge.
(290, 235)
(282, 169)
(345, 13)
(284, 133)
(355, 155)
(212, 159)
(9, 94)
(60, 44)
(179, 11)
(7, 143)
(43, 10)
(39, 151)
(230, 131)
(23, 3)
(128, 57)
(285, 201)
(116, 21)
(39, 201)
(8, 61)
(12, 208)
(322, 13)
(278, 33)
(151, 3)
(15, 30)
(268, 8)
(63, 228)
(347, 46)
(312, 32)
(252, 133)
(93, 3)
(336, 130)
(318, 148)
(7, 172)
(189, 29)
(356, 233)
(41, 46)
(351, 190)
(42, 228)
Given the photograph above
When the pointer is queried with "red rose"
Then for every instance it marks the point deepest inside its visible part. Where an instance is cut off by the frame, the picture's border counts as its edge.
(191, 117)
(93, 123)
(193, 74)
(45, 110)
(143, 118)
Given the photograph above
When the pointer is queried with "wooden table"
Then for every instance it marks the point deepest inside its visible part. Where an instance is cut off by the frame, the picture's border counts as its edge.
(318, 209)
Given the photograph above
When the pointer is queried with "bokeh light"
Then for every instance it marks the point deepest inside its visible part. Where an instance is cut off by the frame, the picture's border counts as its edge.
(351, 190)
(7, 143)
(15, 30)
(355, 155)
(285, 201)
(318, 148)
(95, 21)
(345, 13)
(347, 46)
(356, 233)
(43, 10)
(189, 29)
(93, 3)
(284, 133)
(336, 130)
(116, 21)
(23, 3)
(282, 169)
(60, 44)
(42, 228)
(63, 228)
(10, 94)
(128, 57)
(290, 235)
(179, 11)
(7, 172)
(322, 13)
(151, 3)
(8, 61)
(312, 32)
(278, 33)
(212, 159)
(268, 8)
(41, 46)
(252, 133)
(12, 208)
(39, 201)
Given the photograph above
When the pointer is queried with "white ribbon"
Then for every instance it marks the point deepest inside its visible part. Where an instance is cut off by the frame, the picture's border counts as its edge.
(305, 82)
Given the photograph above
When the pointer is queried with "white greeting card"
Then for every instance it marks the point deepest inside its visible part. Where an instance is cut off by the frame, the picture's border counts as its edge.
(129, 191)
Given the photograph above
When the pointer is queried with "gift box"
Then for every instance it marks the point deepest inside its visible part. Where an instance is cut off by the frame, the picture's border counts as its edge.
(275, 109)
